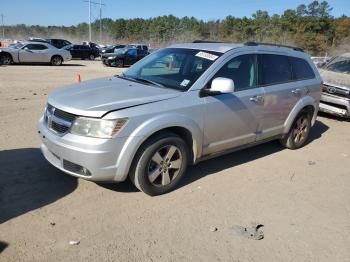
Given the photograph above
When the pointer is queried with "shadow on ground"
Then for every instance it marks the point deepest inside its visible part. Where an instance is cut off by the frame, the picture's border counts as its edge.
(218, 164)
(3, 246)
(28, 182)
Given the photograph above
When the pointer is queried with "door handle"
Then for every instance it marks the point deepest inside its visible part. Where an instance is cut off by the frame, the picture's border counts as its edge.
(296, 91)
(257, 99)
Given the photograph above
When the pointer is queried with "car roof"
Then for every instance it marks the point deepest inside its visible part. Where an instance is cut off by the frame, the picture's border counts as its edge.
(214, 47)
(225, 47)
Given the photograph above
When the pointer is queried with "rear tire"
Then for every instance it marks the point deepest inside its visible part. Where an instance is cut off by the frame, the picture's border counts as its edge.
(92, 57)
(299, 132)
(56, 60)
(6, 59)
(119, 63)
(159, 164)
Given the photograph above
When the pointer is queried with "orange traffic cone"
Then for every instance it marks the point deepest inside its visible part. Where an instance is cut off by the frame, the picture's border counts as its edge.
(77, 79)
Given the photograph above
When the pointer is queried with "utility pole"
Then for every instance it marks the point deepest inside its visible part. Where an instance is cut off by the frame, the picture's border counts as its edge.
(89, 20)
(94, 3)
(100, 21)
(3, 27)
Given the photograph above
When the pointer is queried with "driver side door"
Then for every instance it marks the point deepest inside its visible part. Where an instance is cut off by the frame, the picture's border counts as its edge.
(31, 53)
(232, 120)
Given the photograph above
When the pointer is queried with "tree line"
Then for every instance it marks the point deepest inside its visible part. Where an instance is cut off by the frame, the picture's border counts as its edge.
(310, 27)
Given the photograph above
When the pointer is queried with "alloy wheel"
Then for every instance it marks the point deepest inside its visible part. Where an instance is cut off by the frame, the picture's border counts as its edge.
(164, 165)
(301, 130)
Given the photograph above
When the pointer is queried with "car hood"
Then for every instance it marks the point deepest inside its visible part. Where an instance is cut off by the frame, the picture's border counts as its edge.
(97, 97)
(10, 50)
(335, 78)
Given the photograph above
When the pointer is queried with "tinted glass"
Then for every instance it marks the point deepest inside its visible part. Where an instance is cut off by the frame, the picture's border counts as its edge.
(301, 69)
(242, 70)
(339, 64)
(36, 47)
(274, 69)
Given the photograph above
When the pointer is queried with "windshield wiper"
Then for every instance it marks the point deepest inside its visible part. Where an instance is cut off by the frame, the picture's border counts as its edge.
(138, 79)
(148, 81)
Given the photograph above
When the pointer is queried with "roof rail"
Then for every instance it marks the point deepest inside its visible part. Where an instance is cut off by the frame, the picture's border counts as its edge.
(205, 41)
(270, 44)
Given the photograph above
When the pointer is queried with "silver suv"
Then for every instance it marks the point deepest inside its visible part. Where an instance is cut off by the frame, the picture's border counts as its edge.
(178, 106)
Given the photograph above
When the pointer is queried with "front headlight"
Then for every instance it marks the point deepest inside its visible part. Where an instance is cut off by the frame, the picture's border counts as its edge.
(99, 128)
(111, 57)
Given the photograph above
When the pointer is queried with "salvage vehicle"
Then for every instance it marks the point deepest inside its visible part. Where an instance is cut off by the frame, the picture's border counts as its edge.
(33, 52)
(83, 51)
(123, 57)
(335, 97)
(178, 106)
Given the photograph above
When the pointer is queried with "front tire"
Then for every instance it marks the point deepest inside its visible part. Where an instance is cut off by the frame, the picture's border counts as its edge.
(92, 57)
(160, 164)
(299, 132)
(119, 63)
(56, 61)
(5, 59)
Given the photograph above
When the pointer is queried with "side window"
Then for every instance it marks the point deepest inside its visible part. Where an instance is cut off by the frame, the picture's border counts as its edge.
(242, 70)
(301, 69)
(274, 69)
(41, 47)
(36, 47)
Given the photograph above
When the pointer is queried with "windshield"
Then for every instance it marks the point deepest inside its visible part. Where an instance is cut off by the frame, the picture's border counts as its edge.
(175, 68)
(120, 51)
(339, 64)
(17, 46)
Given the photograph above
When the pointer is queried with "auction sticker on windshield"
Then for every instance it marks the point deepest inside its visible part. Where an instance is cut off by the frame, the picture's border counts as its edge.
(206, 55)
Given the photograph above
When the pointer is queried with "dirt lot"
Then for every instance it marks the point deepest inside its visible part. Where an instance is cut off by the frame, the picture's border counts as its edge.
(301, 197)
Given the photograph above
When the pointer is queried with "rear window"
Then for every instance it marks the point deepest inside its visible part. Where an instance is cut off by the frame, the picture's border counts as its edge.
(274, 69)
(301, 69)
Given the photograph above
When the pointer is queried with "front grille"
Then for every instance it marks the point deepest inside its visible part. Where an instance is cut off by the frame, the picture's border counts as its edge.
(335, 91)
(64, 115)
(59, 128)
(57, 120)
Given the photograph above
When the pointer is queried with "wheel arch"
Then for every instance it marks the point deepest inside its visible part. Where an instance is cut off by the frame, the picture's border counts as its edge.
(189, 131)
(7, 53)
(305, 104)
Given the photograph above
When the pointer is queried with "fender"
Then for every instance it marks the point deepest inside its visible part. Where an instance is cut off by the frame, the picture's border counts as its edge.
(147, 129)
(305, 101)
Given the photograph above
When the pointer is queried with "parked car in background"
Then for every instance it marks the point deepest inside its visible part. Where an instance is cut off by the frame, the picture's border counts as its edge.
(158, 117)
(335, 97)
(123, 57)
(58, 43)
(34, 52)
(139, 46)
(320, 61)
(110, 49)
(83, 51)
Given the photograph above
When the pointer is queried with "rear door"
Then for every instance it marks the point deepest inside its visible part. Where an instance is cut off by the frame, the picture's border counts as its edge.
(281, 93)
(232, 120)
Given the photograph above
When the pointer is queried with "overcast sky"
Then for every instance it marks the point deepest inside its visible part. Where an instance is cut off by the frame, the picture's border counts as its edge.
(72, 12)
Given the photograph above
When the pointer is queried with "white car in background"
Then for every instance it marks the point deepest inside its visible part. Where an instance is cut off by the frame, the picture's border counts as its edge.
(34, 52)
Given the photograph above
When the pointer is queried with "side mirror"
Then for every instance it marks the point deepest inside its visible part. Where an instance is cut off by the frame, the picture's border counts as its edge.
(222, 85)
(219, 85)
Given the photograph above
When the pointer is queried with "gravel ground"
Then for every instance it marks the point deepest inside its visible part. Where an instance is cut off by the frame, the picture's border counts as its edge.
(299, 199)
